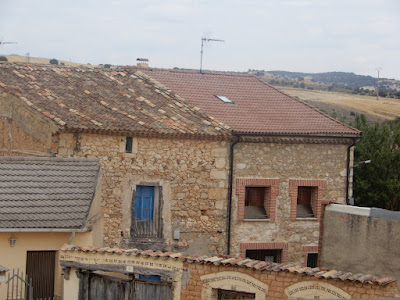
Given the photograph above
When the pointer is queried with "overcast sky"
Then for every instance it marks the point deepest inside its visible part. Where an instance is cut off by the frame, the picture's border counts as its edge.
(292, 35)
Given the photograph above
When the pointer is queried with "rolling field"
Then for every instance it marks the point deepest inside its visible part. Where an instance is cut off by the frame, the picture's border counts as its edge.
(384, 109)
(39, 60)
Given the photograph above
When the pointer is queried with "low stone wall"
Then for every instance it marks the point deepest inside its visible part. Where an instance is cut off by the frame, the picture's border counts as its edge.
(361, 239)
(194, 278)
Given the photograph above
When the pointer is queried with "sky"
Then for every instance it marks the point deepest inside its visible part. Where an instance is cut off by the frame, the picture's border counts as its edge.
(291, 35)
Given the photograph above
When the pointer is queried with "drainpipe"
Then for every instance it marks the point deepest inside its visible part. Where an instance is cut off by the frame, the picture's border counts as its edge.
(230, 187)
(348, 170)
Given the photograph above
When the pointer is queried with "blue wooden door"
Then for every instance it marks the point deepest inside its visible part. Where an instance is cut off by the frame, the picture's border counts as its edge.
(144, 203)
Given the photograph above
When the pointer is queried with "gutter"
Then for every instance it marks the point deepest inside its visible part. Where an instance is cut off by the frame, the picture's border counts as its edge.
(297, 135)
(348, 171)
(45, 230)
(230, 188)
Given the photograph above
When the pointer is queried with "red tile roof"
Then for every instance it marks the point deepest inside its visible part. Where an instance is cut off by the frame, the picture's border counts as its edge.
(257, 108)
(104, 99)
(238, 262)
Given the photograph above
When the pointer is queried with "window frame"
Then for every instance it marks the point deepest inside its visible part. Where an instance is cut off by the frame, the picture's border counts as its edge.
(157, 213)
(308, 250)
(270, 203)
(320, 193)
(283, 246)
(129, 144)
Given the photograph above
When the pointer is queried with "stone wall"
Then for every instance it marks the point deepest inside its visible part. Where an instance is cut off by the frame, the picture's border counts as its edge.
(320, 165)
(23, 132)
(201, 278)
(204, 280)
(192, 174)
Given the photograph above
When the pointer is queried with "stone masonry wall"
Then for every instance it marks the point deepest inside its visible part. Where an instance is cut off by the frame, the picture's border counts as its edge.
(193, 176)
(23, 132)
(312, 162)
(276, 283)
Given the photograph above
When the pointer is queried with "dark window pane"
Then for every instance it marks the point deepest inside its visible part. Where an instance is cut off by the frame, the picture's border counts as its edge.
(304, 196)
(128, 146)
(269, 255)
(255, 203)
(312, 259)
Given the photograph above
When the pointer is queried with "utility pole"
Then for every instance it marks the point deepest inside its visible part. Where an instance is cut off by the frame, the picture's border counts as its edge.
(201, 52)
(377, 83)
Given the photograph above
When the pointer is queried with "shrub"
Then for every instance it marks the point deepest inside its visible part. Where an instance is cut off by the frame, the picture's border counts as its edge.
(53, 61)
(3, 58)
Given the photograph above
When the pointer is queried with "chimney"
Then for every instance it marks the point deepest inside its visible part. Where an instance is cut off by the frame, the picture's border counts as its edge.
(142, 62)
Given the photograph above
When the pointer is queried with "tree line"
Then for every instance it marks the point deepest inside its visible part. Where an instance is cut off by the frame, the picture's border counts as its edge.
(377, 184)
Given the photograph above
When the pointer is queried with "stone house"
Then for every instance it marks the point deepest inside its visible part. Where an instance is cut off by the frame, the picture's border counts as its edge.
(200, 163)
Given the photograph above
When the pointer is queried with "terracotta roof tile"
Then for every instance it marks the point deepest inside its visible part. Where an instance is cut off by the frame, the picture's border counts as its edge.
(241, 262)
(106, 100)
(257, 107)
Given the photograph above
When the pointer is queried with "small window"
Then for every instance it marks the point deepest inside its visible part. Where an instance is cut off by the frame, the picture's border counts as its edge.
(128, 146)
(312, 259)
(268, 255)
(224, 99)
(305, 197)
(255, 203)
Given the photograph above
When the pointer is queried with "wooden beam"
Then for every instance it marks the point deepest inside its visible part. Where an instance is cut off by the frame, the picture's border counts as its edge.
(118, 269)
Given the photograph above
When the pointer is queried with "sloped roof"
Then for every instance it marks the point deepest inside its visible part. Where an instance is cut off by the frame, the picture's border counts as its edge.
(3, 269)
(46, 192)
(104, 99)
(257, 107)
(239, 262)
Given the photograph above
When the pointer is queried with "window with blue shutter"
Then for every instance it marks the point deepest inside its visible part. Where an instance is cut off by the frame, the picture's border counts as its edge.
(144, 203)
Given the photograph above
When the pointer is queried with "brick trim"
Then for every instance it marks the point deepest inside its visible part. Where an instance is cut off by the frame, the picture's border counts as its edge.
(293, 191)
(306, 250)
(270, 205)
(284, 246)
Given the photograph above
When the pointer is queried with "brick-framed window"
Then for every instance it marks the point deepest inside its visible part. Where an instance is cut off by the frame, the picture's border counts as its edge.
(303, 191)
(310, 254)
(251, 191)
(282, 246)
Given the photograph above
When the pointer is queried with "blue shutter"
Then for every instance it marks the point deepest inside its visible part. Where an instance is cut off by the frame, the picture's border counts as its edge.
(144, 203)
(150, 277)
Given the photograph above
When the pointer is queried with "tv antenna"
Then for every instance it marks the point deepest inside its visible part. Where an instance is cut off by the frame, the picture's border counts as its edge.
(378, 69)
(6, 43)
(201, 52)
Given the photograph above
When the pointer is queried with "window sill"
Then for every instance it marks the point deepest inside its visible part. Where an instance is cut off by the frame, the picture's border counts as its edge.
(307, 219)
(257, 220)
(128, 155)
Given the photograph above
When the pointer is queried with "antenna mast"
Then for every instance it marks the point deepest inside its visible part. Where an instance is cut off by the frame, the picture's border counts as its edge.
(201, 52)
(379, 69)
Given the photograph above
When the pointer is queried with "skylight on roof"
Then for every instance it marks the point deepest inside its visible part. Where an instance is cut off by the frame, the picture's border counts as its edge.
(224, 99)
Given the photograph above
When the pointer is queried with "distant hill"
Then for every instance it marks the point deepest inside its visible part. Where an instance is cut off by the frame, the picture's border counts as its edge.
(340, 79)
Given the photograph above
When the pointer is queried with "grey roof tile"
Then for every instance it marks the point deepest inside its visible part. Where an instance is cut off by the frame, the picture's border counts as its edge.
(46, 192)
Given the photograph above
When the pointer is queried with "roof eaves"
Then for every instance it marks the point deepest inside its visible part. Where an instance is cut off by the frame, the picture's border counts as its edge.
(240, 262)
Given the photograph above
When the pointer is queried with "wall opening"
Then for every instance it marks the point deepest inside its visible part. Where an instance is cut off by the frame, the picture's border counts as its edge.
(268, 255)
